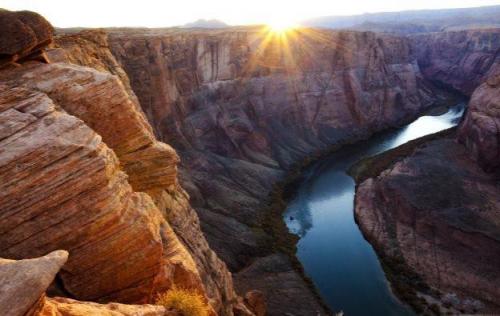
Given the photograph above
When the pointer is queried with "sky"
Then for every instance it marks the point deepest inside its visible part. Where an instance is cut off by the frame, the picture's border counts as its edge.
(159, 13)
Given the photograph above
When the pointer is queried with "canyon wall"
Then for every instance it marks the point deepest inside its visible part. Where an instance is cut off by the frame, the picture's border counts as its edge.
(480, 131)
(433, 216)
(459, 60)
(242, 107)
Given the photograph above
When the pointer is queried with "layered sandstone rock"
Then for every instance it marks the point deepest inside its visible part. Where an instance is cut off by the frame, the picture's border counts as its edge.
(24, 35)
(151, 165)
(23, 283)
(480, 132)
(62, 188)
(88, 48)
(461, 60)
(60, 306)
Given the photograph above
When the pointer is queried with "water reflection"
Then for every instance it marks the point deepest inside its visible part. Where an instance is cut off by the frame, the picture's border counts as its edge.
(332, 250)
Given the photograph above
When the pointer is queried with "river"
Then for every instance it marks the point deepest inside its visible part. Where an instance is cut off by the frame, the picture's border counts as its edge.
(341, 263)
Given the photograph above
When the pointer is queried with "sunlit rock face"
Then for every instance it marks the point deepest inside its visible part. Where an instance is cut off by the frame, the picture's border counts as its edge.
(62, 188)
(24, 282)
(461, 60)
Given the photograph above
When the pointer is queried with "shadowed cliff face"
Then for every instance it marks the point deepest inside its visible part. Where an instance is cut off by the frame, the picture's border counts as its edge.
(480, 132)
(437, 211)
(240, 107)
(441, 220)
(459, 60)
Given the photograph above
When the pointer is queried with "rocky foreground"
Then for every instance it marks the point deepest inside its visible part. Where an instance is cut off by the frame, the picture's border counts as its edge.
(81, 170)
(436, 213)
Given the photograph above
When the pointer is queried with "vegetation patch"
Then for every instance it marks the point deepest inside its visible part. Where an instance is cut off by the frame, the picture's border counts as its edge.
(185, 301)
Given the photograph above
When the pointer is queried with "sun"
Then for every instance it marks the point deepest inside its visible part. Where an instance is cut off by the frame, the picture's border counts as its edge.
(281, 25)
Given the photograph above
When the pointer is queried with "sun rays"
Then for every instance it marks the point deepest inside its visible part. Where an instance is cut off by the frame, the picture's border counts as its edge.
(281, 25)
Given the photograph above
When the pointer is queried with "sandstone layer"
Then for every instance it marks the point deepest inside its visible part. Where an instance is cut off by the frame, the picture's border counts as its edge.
(62, 188)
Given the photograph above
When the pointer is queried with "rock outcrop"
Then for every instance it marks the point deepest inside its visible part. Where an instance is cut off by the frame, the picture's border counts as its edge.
(460, 60)
(23, 283)
(480, 132)
(60, 306)
(436, 213)
(24, 35)
(62, 188)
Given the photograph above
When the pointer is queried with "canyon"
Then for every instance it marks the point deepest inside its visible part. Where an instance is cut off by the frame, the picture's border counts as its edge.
(151, 157)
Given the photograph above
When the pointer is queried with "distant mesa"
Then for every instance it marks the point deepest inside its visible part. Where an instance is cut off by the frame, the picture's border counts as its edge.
(206, 24)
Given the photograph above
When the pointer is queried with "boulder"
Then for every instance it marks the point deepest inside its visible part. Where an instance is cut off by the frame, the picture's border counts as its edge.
(23, 282)
(24, 35)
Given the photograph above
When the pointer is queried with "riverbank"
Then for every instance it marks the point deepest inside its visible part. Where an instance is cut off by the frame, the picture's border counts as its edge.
(405, 282)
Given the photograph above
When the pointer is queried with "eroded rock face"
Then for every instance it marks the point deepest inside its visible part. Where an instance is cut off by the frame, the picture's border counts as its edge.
(480, 131)
(152, 167)
(23, 282)
(240, 110)
(461, 60)
(24, 33)
(438, 212)
(62, 188)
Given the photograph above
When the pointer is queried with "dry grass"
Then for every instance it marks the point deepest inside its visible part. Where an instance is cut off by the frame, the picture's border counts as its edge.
(187, 302)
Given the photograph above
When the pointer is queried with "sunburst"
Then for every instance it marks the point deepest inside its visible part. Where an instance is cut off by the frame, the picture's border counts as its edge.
(281, 25)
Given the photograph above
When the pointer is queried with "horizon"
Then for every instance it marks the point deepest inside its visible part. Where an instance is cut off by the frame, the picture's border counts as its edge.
(234, 13)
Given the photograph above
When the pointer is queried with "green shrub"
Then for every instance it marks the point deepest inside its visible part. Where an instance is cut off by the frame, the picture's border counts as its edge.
(187, 302)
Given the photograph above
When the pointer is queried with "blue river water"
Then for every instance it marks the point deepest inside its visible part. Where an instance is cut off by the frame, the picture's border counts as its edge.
(342, 264)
